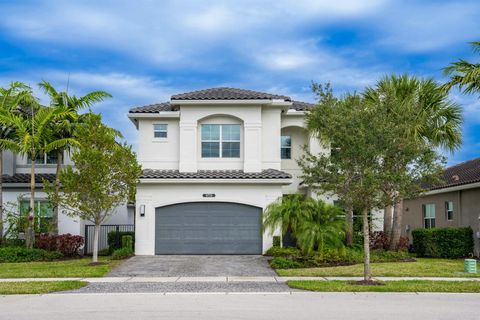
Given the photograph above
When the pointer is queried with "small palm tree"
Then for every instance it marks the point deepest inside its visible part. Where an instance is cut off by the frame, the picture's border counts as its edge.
(464, 74)
(33, 136)
(63, 128)
(324, 227)
(314, 223)
(285, 213)
(10, 99)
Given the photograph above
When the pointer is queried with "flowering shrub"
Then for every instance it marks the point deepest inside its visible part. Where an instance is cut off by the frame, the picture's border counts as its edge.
(67, 244)
(379, 240)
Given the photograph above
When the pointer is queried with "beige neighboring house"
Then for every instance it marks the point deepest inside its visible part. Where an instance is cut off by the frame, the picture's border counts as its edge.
(455, 203)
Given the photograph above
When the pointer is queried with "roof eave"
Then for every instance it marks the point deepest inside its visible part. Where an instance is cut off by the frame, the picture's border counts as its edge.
(454, 188)
(281, 181)
(276, 102)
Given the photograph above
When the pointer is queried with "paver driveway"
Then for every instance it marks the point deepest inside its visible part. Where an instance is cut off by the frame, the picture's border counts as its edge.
(193, 266)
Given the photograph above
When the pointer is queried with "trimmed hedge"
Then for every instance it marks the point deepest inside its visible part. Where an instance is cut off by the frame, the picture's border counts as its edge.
(20, 254)
(443, 242)
(68, 244)
(115, 243)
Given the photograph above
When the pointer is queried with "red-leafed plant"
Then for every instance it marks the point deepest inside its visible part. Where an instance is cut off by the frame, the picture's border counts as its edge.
(379, 240)
(67, 244)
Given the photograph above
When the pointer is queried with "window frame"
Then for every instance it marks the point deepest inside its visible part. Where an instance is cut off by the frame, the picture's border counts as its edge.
(160, 131)
(220, 140)
(40, 220)
(282, 147)
(44, 157)
(427, 221)
(449, 212)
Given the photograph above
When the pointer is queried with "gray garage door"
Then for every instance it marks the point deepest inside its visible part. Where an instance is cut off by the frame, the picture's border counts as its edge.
(208, 228)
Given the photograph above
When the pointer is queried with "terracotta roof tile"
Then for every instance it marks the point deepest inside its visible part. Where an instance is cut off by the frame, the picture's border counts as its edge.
(214, 174)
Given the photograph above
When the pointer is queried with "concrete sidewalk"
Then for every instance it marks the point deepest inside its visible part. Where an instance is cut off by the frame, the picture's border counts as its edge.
(235, 279)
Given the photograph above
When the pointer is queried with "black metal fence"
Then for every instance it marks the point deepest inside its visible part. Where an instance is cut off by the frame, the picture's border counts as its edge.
(103, 235)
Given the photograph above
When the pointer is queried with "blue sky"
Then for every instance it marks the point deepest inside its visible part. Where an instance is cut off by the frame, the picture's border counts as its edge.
(144, 51)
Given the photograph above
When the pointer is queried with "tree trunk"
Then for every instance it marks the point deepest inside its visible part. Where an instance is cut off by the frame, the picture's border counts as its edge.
(387, 220)
(54, 226)
(349, 233)
(397, 225)
(367, 275)
(30, 234)
(96, 231)
(1, 197)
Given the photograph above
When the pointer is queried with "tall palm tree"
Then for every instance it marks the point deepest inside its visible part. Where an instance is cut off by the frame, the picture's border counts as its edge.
(11, 98)
(33, 136)
(64, 127)
(436, 120)
(464, 74)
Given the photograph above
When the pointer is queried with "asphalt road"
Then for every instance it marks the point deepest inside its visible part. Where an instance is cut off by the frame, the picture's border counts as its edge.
(241, 306)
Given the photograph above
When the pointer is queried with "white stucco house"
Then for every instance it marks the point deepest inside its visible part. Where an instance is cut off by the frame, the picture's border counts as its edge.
(16, 194)
(212, 161)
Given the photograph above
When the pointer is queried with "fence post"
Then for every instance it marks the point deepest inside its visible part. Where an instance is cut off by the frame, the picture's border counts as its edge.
(85, 245)
(117, 237)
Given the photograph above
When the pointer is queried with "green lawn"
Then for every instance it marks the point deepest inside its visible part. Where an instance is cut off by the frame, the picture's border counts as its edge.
(423, 267)
(39, 287)
(390, 286)
(57, 269)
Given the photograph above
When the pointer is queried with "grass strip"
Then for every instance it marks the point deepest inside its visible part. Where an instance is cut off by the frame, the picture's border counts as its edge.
(39, 287)
(389, 286)
(80, 268)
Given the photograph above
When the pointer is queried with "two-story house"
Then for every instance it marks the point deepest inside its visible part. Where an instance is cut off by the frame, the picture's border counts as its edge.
(213, 161)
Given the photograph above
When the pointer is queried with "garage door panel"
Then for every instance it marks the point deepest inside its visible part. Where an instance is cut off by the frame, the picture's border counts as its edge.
(208, 228)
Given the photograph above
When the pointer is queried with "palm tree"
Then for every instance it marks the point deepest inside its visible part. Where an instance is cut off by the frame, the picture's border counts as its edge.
(323, 227)
(64, 127)
(464, 74)
(433, 120)
(33, 136)
(285, 214)
(10, 99)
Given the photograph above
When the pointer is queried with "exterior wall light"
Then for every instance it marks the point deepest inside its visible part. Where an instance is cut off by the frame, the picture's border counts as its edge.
(142, 210)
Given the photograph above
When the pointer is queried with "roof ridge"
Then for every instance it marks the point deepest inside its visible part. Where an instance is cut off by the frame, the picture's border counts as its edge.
(462, 163)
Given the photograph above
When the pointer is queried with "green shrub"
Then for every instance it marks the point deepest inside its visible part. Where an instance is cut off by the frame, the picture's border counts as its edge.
(127, 242)
(389, 256)
(276, 241)
(443, 242)
(122, 253)
(115, 243)
(284, 263)
(283, 252)
(20, 254)
(104, 252)
(286, 258)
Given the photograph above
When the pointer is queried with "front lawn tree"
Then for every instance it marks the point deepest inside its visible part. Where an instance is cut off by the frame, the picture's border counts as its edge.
(33, 138)
(105, 175)
(11, 98)
(355, 131)
(64, 128)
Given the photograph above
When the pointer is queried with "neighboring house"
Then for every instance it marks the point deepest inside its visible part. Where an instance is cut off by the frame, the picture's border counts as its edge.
(212, 161)
(16, 193)
(455, 203)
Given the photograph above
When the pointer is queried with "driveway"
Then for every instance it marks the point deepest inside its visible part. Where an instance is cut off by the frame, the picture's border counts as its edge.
(193, 266)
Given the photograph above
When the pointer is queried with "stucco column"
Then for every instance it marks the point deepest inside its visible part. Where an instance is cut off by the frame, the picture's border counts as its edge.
(188, 147)
(252, 147)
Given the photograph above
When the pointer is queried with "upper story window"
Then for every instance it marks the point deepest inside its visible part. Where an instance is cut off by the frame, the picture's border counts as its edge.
(429, 215)
(449, 210)
(47, 158)
(286, 147)
(220, 140)
(160, 130)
